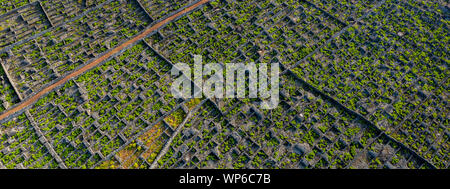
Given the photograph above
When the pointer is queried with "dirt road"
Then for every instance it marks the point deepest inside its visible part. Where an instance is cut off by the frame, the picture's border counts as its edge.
(97, 61)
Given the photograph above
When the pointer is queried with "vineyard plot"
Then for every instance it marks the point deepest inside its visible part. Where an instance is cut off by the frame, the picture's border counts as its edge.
(363, 84)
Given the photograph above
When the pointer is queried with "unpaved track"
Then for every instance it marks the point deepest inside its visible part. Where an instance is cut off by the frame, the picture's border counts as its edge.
(97, 61)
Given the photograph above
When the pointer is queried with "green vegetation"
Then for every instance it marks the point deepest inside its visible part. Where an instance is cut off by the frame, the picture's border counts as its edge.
(363, 85)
